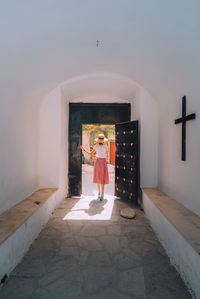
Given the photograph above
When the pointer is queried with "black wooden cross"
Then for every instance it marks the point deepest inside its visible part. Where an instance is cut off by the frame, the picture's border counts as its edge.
(183, 120)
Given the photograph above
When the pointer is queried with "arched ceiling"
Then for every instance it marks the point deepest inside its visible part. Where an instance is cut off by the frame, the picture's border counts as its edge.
(101, 85)
(43, 43)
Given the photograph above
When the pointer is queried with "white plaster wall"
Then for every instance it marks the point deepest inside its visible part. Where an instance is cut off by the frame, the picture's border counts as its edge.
(180, 179)
(63, 165)
(135, 106)
(149, 140)
(182, 255)
(52, 164)
(49, 140)
(144, 108)
(18, 147)
(67, 143)
(98, 99)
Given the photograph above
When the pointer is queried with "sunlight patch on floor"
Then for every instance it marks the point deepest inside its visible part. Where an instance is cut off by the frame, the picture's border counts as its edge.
(91, 208)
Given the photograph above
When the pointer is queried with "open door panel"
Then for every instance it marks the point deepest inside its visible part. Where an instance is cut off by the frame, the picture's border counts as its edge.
(126, 157)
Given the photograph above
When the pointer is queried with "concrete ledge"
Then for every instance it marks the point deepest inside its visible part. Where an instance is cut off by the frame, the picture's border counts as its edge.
(13, 218)
(21, 224)
(178, 229)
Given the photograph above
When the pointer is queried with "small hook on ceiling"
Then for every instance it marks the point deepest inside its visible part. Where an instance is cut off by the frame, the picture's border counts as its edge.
(98, 42)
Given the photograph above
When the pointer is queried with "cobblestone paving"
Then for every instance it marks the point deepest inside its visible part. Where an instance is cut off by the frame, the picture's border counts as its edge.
(116, 258)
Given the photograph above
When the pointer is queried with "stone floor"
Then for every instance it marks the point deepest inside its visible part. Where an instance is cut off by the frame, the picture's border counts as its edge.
(106, 258)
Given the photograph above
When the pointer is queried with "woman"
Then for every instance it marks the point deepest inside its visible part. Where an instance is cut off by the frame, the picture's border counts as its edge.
(100, 175)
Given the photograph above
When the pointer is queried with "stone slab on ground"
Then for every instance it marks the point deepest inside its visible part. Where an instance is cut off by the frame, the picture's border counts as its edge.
(128, 213)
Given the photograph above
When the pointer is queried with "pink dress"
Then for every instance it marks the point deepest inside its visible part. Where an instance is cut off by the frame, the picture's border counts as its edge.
(100, 175)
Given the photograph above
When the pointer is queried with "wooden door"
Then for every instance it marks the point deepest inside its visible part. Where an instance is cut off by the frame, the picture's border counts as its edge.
(126, 161)
(85, 113)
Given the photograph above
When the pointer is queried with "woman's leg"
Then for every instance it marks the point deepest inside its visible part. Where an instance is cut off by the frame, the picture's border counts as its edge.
(102, 188)
(102, 193)
(99, 190)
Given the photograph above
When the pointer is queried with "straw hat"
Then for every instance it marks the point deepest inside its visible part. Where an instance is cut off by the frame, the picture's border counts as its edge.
(101, 137)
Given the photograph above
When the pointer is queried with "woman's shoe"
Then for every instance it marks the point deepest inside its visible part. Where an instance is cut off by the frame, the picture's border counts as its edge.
(101, 198)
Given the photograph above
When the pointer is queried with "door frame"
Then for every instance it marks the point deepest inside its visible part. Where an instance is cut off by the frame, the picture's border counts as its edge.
(83, 113)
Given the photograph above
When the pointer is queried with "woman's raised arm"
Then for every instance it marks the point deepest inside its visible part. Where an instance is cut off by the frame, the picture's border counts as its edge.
(89, 153)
